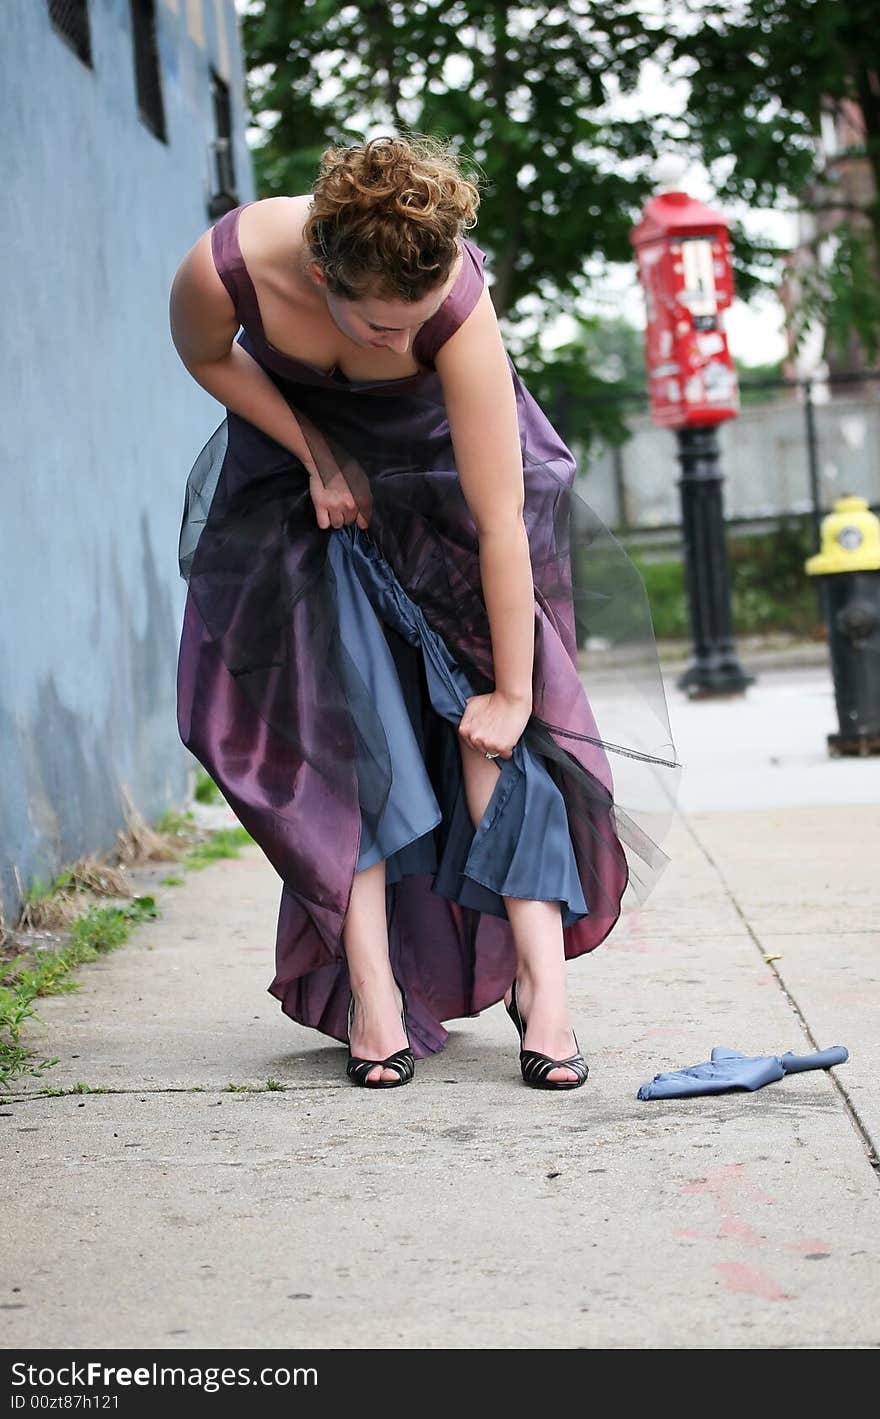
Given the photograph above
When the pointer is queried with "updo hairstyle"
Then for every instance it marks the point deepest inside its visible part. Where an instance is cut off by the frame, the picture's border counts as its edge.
(386, 217)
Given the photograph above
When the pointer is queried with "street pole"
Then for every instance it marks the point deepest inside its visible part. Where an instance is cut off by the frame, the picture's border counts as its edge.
(813, 460)
(686, 269)
(714, 668)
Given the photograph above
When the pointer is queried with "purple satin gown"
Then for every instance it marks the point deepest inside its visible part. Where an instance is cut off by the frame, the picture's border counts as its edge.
(322, 674)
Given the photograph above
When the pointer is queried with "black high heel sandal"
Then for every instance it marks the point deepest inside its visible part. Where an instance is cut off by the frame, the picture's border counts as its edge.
(402, 1061)
(535, 1067)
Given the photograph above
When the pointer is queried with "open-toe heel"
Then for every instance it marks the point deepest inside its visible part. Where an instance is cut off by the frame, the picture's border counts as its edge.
(401, 1061)
(536, 1067)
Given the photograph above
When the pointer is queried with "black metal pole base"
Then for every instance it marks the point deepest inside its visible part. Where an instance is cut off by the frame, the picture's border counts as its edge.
(851, 605)
(714, 668)
(862, 745)
(705, 678)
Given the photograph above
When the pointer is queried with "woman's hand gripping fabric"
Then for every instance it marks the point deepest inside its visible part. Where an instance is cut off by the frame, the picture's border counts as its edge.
(493, 723)
(338, 486)
(334, 502)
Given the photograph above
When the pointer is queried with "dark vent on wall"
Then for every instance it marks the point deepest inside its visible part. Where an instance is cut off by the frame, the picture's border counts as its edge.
(146, 66)
(224, 195)
(71, 20)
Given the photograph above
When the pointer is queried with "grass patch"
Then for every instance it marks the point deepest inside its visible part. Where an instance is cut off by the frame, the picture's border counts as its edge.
(206, 789)
(175, 824)
(78, 1088)
(271, 1086)
(769, 589)
(95, 933)
(57, 903)
(225, 842)
(32, 964)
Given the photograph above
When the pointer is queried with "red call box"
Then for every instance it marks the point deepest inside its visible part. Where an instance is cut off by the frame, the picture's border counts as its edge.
(683, 252)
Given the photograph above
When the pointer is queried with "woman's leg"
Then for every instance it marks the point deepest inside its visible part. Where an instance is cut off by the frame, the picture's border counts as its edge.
(537, 933)
(376, 1029)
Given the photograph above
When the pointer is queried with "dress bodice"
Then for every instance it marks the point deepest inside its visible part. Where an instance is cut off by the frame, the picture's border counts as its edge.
(234, 274)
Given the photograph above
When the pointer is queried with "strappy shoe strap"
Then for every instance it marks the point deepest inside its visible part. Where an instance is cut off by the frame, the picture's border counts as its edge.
(402, 1062)
(536, 1067)
(512, 1009)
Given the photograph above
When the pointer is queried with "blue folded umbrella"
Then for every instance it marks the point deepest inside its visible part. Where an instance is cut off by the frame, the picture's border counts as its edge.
(728, 1069)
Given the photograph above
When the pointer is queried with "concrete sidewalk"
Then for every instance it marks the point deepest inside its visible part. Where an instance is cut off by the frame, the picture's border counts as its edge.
(466, 1210)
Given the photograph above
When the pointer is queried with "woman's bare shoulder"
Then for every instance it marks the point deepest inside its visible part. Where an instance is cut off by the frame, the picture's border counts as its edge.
(270, 235)
(476, 337)
(268, 214)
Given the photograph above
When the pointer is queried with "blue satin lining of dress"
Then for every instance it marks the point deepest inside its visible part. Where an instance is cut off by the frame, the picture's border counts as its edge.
(522, 846)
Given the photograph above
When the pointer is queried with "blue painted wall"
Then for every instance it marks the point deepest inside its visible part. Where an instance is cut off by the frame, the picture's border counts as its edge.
(100, 420)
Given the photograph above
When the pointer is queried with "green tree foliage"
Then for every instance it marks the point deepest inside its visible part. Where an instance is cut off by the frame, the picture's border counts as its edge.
(537, 95)
(521, 89)
(761, 74)
(842, 291)
(589, 383)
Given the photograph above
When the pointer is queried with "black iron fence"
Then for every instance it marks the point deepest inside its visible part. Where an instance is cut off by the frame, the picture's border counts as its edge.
(806, 493)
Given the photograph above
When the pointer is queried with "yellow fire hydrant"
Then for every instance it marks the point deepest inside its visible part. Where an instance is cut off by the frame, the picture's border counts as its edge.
(849, 565)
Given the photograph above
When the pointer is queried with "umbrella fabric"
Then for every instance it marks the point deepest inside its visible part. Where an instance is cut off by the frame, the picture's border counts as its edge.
(728, 1069)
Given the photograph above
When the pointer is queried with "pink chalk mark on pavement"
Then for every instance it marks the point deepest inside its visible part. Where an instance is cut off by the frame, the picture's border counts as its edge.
(745, 1280)
(732, 1230)
(725, 1185)
(631, 937)
(721, 1183)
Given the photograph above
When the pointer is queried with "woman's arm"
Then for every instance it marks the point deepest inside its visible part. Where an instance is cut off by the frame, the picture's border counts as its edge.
(203, 327)
(481, 407)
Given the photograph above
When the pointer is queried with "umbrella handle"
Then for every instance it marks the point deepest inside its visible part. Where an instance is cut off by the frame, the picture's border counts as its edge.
(825, 1059)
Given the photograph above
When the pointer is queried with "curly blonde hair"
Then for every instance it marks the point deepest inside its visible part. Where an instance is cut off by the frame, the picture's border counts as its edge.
(385, 217)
